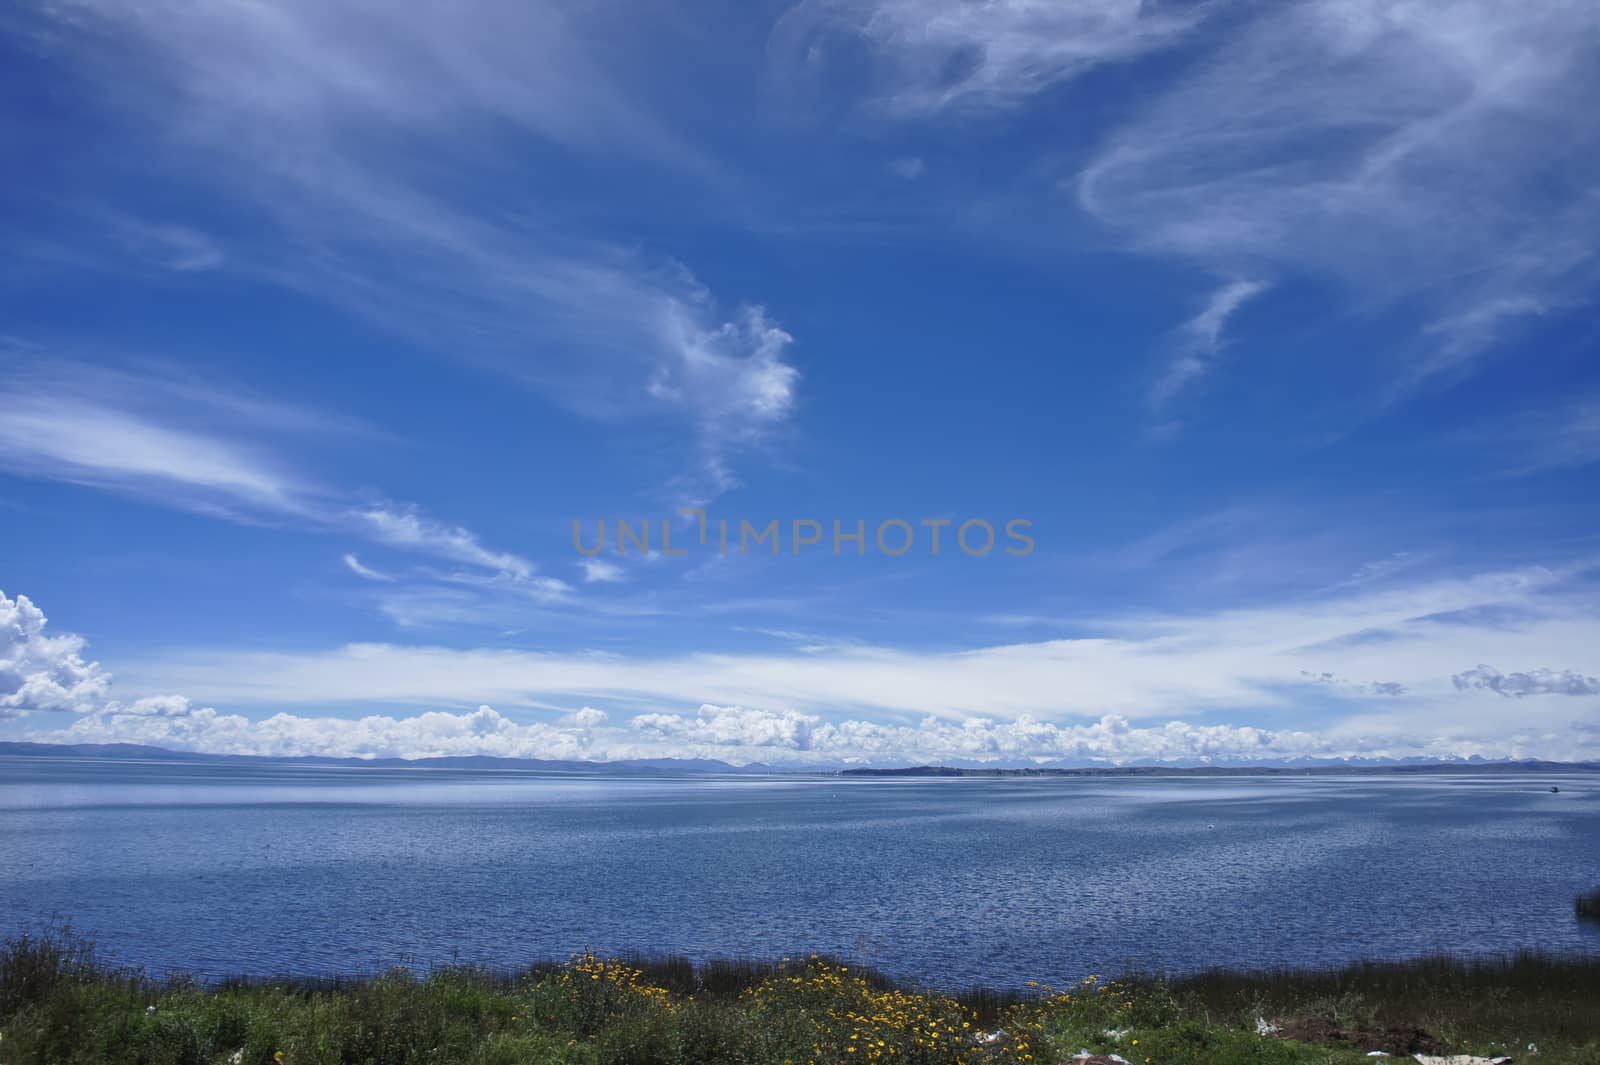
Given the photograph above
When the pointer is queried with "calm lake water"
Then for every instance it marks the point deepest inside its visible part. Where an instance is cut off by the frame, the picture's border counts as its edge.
(270, 869)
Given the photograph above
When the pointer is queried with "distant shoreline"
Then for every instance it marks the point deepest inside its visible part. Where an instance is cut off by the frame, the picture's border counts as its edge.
(136, 753)
(1228, 770)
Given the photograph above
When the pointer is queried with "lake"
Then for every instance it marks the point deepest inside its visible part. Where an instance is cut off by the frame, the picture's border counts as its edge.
(268, 869)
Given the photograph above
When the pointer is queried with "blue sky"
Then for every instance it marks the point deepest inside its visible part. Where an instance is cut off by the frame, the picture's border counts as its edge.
(323, 324)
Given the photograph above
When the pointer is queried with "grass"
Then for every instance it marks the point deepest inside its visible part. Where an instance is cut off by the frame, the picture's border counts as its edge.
(59, 1005)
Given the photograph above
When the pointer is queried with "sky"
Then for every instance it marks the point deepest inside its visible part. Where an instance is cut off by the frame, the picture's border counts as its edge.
(1240, 356)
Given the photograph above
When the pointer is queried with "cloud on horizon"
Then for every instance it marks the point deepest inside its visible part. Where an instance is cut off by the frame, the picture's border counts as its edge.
(1122, 696)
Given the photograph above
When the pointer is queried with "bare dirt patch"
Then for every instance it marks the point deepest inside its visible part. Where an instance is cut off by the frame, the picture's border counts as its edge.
(1398, 1039)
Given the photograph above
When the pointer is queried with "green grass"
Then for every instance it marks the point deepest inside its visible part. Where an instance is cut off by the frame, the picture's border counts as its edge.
(59, 1005)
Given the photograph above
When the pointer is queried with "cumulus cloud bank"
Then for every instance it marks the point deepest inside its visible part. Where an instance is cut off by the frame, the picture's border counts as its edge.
(41, 673)
(734, 726)
(743, 735)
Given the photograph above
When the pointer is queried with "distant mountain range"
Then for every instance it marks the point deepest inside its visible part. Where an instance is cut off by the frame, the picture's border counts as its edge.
(137, 752)
(143, 753)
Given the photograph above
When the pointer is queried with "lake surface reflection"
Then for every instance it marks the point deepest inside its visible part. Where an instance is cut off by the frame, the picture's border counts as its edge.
(274, 868)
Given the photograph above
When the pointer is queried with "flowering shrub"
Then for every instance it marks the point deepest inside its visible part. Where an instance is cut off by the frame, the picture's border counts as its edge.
(58, 1007)
(843, 1017)
(590, 992)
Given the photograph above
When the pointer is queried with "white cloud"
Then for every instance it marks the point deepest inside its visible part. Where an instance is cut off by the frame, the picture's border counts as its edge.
(86, 442)
(43, 672)
(1244, 661)
(152, 706)
(356, 212)
(599, 571)
(1051, 701)
(588, 717)
(1438, 154)
(427, 735)
(936, 56)
(356, 566)
(404, 527)
(733, 373)
(733, 726)
(193, 446)
(1206, 327)
(741, 736)
(1532, 682)
(734, 379)
(1202, 338)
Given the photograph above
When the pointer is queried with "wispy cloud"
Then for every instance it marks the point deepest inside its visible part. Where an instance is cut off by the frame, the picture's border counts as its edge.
(1201, 339)
(87, 440)
(1534, 441)
(910, 167)
(599, 571)
(160, 440)
(183, 249)
(404, 527)
(356, 566)
(303, 119)
(1432, 161)
(939, 56)
(1254, 660)
(1431, 155)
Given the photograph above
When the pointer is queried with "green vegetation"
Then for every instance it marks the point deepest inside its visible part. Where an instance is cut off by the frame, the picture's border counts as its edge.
(58, 1005)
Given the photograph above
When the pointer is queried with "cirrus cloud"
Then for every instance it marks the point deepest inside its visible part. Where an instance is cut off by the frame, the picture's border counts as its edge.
(1362, 141)
(931, 57)
(355, 214)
